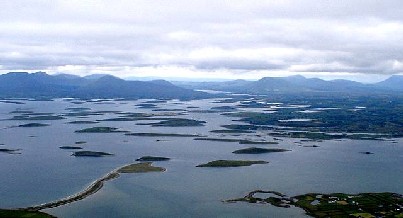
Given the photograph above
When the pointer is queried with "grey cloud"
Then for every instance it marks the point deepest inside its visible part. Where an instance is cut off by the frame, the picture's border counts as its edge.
(360, 36)
(233, 64)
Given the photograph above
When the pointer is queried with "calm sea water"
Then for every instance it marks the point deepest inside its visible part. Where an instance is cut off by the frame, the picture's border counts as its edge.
(43, 172)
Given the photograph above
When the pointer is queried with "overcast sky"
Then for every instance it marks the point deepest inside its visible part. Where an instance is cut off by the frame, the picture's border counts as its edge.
(229, 39)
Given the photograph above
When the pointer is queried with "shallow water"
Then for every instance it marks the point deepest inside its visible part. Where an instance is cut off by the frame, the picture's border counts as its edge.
(43, 172)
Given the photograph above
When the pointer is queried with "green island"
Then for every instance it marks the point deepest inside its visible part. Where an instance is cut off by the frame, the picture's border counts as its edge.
(151, 134)
(70, 147)
(83, 122)
(91, 189)
(100, 129)
(80, 142)
(19, 111)
(10, 151)
(240, 141)
(176, 122)
(33, 125)
(23, 213)
(140, 168)
(90, 154)
(333, 205)
(40, 117)
(232, 163)
(366, 152)
(152, 158)
(255, 150)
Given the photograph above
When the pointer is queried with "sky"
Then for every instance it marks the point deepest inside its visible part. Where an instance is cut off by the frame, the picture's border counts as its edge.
(211, 39)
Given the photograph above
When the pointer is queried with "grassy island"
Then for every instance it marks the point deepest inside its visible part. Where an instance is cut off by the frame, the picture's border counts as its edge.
(231, 163)
(83, 122)
(41, 117)
(70, 147)
(254, 150)
(152, 158)
(90, 154)
(100, 130)
(177, 122)
(151, 134)
(33, 125)
(140, 168)
(240, 141)
(10, 151)
(333, 205)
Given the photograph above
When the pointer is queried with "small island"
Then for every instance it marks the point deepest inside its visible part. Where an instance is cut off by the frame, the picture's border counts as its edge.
(232, 163)
(90, 154)
(10, 151)
(70, 147)
(152, 158)
(366, 152)
(240, 141)
(100, 130)
(44, 117)
(152, 134)
(255, 150)
(83, 122)
(33, 125)
(176, 122)
(140, 168)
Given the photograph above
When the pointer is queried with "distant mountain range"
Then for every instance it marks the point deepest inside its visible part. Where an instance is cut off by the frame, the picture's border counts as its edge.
(299, 84)
(42, 85)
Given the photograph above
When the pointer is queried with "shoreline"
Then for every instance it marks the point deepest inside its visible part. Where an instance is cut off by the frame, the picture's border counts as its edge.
(91, 189)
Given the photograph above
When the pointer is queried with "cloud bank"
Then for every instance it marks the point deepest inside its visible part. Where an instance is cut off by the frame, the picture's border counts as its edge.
(203, 39)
